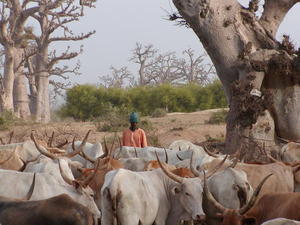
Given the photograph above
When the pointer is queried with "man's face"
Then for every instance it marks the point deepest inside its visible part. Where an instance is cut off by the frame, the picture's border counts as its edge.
(134, 125)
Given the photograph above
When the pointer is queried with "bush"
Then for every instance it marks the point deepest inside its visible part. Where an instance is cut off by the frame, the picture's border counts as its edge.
(87, 102)
(159, 113)
(8, 119)
(218, 117)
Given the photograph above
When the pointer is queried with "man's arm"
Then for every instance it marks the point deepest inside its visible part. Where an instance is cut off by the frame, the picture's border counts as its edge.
(143, 139)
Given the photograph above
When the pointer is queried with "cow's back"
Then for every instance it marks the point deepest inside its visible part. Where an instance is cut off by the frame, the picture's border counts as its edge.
(275, 205)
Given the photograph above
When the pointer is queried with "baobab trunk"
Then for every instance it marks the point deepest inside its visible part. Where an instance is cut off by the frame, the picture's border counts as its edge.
(21, 100)
(6, 103)
(260, 76)
(42, 99)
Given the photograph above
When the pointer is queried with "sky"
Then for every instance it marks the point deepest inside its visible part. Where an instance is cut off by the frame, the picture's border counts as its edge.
(119, 24)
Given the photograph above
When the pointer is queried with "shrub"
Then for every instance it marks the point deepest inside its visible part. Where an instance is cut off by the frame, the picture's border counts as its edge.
(159, 113)
(218, 117)
(8, 119)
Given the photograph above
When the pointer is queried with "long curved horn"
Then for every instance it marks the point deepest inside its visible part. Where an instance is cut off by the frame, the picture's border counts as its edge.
(234, 163)
(194, 171)
(210, 172)
(112, 145)
(105, 146)
(87, 181)
(63, 175)
(167, 158)
(135, 152)
(252, 201)
(51, 139)
(26, 163)
(62, 144)
(179, 148)
(209, 152)
(167, 172)
(179, 157)
(42, 150)
(79, 149)
(31, 189)
(10, 156)
(10, 137)
(210, 197)
(2, 142)
(87, 157)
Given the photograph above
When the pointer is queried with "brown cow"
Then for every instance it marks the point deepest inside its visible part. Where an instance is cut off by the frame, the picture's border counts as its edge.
(281, 181)
(59, 210)
(269, 206)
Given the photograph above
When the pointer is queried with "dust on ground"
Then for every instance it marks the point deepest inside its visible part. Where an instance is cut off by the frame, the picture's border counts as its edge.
(173, 126)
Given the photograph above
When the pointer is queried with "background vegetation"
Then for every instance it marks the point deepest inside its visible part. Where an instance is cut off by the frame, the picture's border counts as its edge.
(88, 102)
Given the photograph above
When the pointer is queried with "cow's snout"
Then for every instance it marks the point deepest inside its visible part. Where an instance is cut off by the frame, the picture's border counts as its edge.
(200, 217)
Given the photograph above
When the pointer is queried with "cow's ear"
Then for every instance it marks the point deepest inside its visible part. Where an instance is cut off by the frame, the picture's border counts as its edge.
(176, 190)
(248, 221)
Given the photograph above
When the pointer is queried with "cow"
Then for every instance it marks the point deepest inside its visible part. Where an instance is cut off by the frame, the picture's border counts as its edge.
(15, 156)
(58, 210)
(281, 181)
(290, 152)
(281, 221)
(269, 206)
(149, 154)
(144, 198)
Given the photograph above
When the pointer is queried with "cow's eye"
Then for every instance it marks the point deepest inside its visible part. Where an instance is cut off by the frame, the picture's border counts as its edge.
(187, 194)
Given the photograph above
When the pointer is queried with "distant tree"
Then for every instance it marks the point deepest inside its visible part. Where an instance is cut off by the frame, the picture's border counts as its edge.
(118, 78)
(194, 69)
(143, 55)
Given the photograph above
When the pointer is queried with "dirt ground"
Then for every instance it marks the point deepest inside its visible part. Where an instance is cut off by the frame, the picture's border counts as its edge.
(174, 126)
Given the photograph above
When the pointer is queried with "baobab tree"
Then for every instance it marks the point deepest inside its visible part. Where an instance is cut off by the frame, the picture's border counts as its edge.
(260, 75)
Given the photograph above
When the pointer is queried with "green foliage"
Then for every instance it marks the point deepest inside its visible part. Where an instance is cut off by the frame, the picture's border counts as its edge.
(8, 119)
(88, 102)
(218, 117)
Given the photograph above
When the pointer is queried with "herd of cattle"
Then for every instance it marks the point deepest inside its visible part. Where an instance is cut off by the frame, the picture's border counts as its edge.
(43, 184)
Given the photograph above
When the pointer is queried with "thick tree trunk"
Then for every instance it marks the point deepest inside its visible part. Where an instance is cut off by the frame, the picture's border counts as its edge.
(6, 103)
(42, 99)
(263, 100)
(21, 100)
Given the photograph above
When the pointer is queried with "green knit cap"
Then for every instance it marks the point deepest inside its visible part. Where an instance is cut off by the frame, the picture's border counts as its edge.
(134, 117)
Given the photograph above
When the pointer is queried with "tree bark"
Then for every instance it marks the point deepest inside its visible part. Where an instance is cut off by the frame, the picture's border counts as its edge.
(6, 102)
(42, 99)
(21, 100)
(244, 52)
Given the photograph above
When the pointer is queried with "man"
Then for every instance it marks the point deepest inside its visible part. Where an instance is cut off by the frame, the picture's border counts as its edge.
(134, 136)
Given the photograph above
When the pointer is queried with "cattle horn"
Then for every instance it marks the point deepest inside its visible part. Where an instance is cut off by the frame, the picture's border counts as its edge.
(167, 172)
(80, 148)
(179, 157)
(167, 158)
(63, 175)
(211, 172)
(210, 197)
(112, 145)
(87, 157)
(42, 150)
(29, 161)
(31, 189)
(135, 152)
(179, 148)
(11, 134)
(249, 205)
(87, 181)
(51, 139)
(10, 156)
(209, 152)
(234, 163)
(62, 144)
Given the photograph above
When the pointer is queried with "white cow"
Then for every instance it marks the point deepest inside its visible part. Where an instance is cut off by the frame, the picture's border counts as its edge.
(93, 151)
(144, 198)
(15, 185)
(230, 187)
(281, 221)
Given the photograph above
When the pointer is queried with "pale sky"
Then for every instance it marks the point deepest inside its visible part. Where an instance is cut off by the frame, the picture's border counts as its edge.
(121, 23)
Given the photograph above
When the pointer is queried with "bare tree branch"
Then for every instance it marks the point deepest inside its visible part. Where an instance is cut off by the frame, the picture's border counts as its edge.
(118, 78)
(274, 13)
